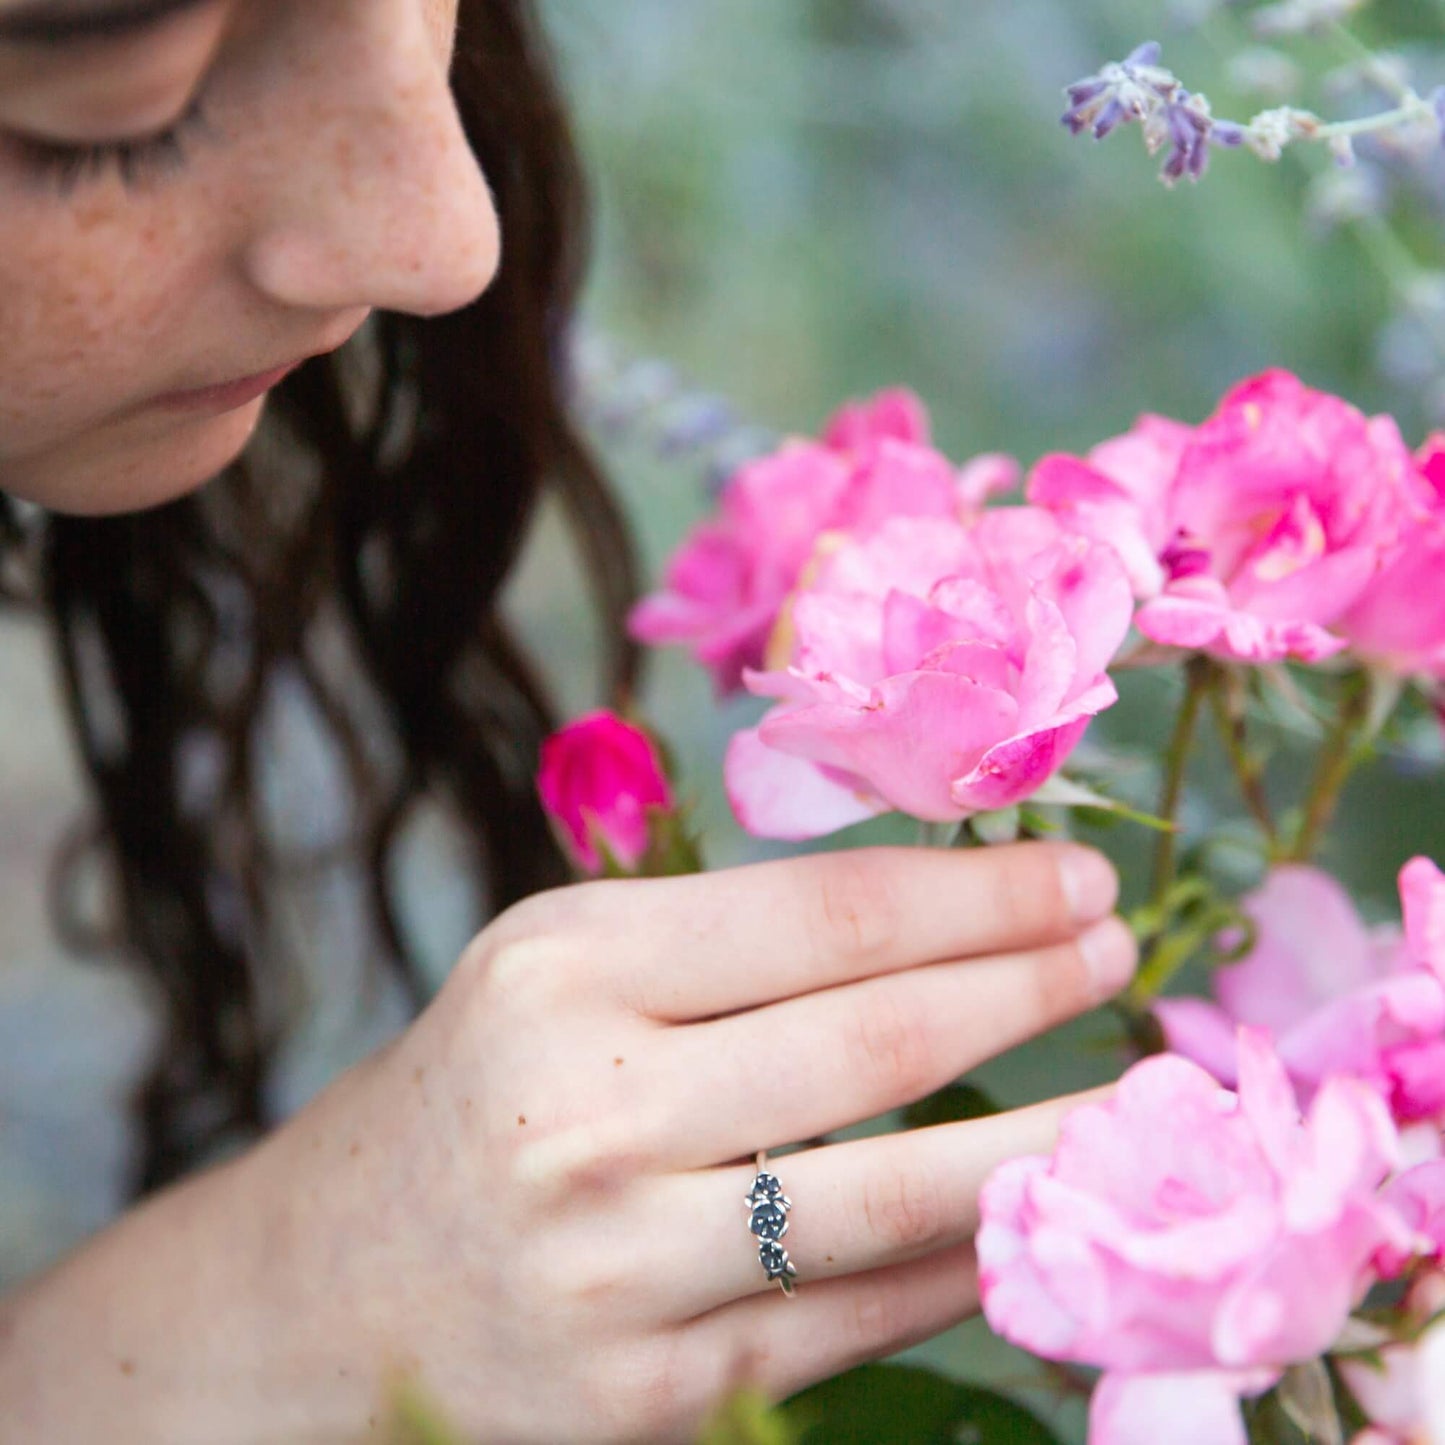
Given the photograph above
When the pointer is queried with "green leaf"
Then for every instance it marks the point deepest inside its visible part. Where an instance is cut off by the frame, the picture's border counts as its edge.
(906, 1405)
(1308, 1399)
(1062, 792)
(748, 1419)
(950, 1105)
(1000, 826)
(416, 1421)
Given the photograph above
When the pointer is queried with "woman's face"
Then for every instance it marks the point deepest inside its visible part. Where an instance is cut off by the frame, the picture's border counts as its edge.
(196, 194)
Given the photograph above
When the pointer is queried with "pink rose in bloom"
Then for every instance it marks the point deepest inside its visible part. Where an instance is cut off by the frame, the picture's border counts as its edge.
(1338, 998)
(1404, 1395)
(1251, 535)
(1189, 1241)
(598, 778)
(1398, 624)
(935, 669)
(724, 586)
(896, 412)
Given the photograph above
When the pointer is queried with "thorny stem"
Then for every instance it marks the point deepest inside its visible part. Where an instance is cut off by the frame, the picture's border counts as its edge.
(1337, 760)
(1229, 715)
(1176, 762)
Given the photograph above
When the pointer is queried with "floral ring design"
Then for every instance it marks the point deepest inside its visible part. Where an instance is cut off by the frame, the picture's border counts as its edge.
(768, 1210)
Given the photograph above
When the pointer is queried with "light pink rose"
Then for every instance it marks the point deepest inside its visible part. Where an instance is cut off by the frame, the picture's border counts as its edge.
(1404, 1394)
(598, 779)
(724, 586)
(1339, 998)
(935, 669)
(1398, 623)
(1251, 535)
(1189, 1241)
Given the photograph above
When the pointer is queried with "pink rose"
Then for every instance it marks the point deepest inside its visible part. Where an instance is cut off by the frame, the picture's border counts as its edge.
(1250, 536)
(936, 669)
(724, 586)
(1398, 624)
(1338, 998)
(1404, 1394)
(893, 412)
(598, 778)
(1189, 1241)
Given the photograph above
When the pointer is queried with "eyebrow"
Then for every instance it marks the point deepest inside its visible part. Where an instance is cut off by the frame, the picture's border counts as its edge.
(59, 22)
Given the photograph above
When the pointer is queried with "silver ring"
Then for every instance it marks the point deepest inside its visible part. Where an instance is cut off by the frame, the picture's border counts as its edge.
(768, 1210)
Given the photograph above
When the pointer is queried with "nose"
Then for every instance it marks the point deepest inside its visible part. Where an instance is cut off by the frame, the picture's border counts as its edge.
(379, 201)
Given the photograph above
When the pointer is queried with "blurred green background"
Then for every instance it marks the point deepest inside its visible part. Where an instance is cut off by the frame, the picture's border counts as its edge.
(804, 201)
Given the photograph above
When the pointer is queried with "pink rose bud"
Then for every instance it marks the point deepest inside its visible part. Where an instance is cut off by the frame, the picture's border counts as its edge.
(599, 779)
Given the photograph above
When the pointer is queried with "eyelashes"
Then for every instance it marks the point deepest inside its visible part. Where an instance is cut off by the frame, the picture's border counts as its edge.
(67, 166)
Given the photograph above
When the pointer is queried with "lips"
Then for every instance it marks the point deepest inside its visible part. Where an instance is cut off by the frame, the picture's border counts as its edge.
(228, 395)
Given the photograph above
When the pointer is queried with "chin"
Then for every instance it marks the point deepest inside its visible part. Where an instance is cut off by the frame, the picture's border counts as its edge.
(130, 468)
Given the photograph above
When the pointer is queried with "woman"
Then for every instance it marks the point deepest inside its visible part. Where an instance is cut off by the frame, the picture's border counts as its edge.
(530, 1200)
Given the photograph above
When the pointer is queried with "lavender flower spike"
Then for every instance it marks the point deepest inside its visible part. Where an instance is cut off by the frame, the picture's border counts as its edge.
(1139, 89)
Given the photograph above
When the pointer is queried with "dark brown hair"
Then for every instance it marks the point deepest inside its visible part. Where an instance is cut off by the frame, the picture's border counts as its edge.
(374, 578)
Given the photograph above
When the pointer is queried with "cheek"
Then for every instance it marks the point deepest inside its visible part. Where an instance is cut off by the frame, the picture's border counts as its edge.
(95, 293)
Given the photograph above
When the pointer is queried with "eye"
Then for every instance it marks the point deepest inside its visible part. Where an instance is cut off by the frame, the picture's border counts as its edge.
(135, 159)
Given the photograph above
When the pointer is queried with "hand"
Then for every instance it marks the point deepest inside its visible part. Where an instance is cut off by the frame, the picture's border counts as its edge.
(534, 1199)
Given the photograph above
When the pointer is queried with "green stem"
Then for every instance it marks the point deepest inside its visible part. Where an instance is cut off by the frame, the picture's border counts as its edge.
(1337, 760)
(1176, 763)
(1411, 110)
(1229, 716)
(1353, 48)
(938, 835)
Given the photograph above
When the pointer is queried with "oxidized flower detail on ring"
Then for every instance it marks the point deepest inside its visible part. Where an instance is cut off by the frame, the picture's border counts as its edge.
(768, 1220)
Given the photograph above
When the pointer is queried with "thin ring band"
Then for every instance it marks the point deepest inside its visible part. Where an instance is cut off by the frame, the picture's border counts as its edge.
(768, 1210)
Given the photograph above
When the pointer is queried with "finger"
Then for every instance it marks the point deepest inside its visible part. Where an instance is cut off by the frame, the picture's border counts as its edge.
(741, 937)
(856, 1206)
(793, 1070)
(783, 1345)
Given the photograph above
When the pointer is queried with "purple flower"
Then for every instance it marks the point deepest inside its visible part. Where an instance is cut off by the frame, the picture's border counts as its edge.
(1174, 119)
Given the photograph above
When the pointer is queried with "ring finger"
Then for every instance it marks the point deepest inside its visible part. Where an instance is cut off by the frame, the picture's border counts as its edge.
(859, 1205)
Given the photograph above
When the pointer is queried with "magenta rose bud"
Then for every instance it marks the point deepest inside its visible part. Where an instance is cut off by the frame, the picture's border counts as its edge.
(1191, 1242)
(599, 779)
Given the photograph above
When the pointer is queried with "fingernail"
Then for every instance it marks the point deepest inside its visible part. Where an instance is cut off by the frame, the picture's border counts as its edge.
(1110, 954)
(1091, 887)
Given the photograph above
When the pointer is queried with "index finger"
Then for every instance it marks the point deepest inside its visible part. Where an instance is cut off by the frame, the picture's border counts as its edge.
(731, 940)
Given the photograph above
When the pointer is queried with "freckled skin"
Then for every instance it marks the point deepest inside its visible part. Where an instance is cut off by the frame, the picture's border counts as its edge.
(331, 177)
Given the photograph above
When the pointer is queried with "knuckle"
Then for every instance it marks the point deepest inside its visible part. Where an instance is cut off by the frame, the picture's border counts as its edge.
(1063, 983)
(876, 1316)
(1029, 891)
(890, 1046)
(904, 1210)
(647, 1392)
(858, 908)
(592, 1157)
(518, 975)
